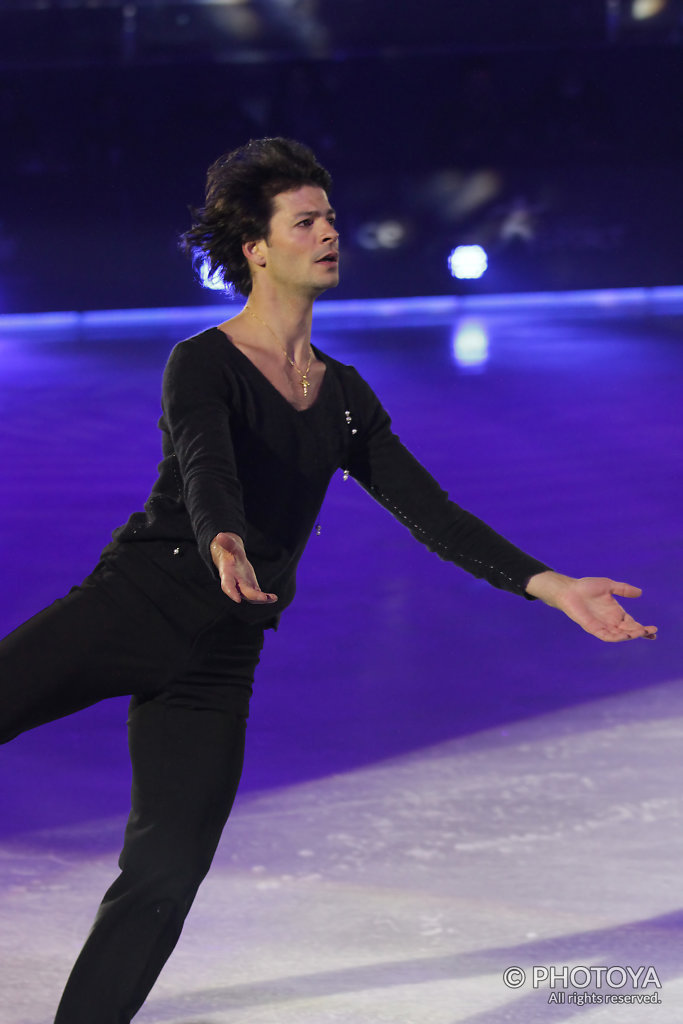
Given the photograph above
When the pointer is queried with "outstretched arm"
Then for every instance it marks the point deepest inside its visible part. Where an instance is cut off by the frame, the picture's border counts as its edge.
(591, 603)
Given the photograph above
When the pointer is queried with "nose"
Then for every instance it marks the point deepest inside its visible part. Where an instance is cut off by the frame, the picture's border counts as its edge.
(330, 233)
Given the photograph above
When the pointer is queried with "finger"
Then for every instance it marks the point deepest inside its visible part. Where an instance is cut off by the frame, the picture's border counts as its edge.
(631, 632)
(613, 632)
(636, 632)
(625, 589)
(230, 588)
(254, 594)
(635, 629)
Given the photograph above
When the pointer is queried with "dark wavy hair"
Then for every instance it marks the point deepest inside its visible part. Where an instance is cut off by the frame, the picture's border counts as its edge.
(240, 189)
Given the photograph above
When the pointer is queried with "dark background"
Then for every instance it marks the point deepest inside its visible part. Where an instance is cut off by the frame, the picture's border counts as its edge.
(549, 133)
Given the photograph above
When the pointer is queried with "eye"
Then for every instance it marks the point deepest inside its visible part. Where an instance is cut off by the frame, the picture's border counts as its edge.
(306, 222)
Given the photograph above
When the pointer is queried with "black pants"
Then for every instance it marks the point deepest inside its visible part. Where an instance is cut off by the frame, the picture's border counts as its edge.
(151, 627)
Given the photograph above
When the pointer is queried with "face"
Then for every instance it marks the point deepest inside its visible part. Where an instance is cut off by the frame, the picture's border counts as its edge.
(301, 252)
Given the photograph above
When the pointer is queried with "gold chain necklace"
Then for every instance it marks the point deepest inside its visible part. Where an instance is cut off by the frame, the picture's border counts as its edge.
(305, 382)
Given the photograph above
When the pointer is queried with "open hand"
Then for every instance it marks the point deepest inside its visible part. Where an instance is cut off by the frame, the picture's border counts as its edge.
(591, 603)
(238, 579)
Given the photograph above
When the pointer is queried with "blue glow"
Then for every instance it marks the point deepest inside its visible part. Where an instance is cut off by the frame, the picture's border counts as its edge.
(213, 281)
(349, 313)
(385, 234)
(470, 344)
(467, 261)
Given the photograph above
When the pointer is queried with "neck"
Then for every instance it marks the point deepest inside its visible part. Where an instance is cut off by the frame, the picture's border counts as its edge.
(288, 318)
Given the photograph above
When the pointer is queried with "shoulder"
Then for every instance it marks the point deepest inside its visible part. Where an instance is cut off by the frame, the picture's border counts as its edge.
(201, 363)
(352, 382)
(208, 345)
(364, 411)
(208, 352)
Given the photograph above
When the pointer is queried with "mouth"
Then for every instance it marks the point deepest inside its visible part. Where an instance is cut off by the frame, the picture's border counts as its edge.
(329, 257)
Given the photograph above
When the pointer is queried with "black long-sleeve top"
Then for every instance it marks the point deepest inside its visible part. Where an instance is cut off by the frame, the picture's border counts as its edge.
(239, 458)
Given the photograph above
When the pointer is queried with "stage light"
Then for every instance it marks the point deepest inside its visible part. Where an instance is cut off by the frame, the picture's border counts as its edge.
(214, 282)
(470, 344)
(385, 234)
(467, 262)
(641, 10)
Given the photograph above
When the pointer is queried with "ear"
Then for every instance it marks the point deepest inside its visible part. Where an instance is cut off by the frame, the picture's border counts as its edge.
(255, 252)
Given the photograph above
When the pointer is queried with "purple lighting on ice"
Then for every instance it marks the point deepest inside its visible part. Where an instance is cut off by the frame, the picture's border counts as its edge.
(470, 344)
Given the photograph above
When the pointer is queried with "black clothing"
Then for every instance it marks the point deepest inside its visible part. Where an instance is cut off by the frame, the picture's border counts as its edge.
(187, 764)
(152, 621)
(135, 627)
(139, 624)
(239, 458)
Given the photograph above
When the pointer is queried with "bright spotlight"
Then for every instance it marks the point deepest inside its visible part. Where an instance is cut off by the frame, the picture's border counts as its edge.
(213, 281)
(643, 9)
(470, 344)
(467, 261)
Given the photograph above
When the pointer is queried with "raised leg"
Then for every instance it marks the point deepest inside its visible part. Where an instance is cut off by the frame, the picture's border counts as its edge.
(106, 638)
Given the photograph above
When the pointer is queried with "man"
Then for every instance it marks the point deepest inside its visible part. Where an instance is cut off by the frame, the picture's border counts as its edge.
(255, 422)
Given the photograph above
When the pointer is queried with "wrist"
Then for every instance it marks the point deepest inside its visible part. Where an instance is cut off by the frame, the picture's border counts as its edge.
(230, 542)
(548, 586)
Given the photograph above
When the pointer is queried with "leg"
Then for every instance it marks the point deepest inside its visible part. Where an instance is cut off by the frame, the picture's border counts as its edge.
(187, 763)
(104, 639)
(43, 672)
(187, 766)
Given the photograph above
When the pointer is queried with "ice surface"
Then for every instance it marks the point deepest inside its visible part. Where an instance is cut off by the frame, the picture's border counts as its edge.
(400, 892)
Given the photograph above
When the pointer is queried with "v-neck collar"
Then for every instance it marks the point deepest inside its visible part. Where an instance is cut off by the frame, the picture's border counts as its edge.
(261, 375)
